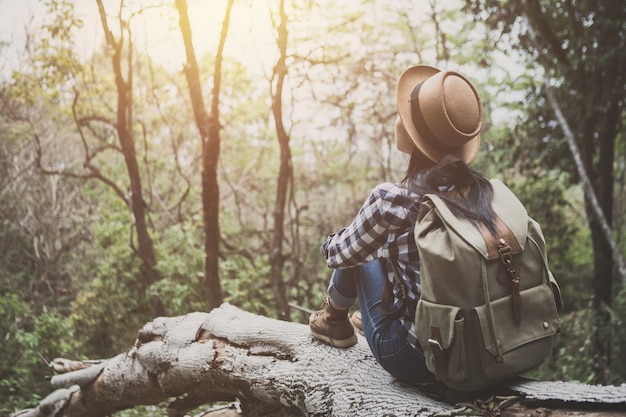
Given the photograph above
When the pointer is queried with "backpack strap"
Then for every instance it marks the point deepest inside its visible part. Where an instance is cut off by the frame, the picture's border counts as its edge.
(503, 233)
(387, 298)
(504, 245)
(512, 223)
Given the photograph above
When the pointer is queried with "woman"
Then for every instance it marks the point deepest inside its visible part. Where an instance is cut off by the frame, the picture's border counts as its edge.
(439, 123)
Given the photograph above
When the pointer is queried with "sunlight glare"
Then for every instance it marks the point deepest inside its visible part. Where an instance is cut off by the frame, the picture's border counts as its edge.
(250, 36)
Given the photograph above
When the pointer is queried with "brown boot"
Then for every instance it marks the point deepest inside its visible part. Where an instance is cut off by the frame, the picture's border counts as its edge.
(357, 322)
(332, 326)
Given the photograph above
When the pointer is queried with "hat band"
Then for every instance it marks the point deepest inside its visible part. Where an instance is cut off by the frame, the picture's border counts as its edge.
(420, 123)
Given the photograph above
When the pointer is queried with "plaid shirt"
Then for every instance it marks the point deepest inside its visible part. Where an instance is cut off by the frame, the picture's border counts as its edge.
(382, 229)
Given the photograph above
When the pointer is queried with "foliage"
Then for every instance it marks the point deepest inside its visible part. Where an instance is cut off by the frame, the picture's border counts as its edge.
(618, 338)
(69, 273)
(574, 357)
(578, 47)
(567, 242)
(27, 340)
(180, 264)
(111, 305)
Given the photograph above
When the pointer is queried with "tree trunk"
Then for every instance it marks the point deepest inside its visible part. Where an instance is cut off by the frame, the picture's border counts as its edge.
(274, 368)
(209, 128)
(277, 258)
(601, 122)
(124, 126)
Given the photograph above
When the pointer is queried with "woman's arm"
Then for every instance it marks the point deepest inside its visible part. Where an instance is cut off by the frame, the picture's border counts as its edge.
(367, 236)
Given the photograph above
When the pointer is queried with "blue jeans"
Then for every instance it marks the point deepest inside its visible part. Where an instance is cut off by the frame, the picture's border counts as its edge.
(385, 336)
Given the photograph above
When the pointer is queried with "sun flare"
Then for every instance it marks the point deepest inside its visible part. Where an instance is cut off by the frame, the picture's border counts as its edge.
(250, 35)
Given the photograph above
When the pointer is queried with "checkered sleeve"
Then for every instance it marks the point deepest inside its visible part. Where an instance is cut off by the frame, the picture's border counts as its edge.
(367, 237)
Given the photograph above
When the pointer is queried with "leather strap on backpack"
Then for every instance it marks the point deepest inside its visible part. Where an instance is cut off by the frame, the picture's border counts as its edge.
(504, 246)
(441, 364)
(509, 275)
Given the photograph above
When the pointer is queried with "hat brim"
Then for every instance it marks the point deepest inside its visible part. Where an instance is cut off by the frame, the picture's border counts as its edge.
(406, 83)
(403, 142)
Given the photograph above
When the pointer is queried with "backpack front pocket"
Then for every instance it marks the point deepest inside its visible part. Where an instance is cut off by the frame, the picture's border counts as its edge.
(445, 348)
(511, 347)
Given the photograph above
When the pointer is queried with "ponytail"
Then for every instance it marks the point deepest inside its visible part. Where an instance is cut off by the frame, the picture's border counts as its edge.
(473, 192)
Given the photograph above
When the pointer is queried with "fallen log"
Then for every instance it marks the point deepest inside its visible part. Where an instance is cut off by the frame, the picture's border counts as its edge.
(274, 368)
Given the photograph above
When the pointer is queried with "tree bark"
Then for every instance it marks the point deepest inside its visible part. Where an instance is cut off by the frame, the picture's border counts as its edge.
(209, 128)
(124, 127)
(285, 173)
(274, 368)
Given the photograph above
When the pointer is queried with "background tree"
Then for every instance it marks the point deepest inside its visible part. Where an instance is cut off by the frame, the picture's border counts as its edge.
(43, 225)
(124, 126)
(209, 128)
(583, 42)
(284, 181)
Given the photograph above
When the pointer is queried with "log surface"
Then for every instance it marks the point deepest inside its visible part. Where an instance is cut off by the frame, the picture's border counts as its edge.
(272, 368)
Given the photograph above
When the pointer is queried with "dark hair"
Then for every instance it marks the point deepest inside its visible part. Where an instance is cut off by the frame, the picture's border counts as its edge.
(474, 192)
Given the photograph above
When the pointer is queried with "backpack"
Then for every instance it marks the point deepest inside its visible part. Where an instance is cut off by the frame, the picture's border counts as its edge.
(489, 307)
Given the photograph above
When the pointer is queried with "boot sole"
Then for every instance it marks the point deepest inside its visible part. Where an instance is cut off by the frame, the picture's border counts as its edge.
(338, 343)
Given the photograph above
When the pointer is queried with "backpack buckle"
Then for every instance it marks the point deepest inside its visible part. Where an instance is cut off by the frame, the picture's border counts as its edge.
(505, 252)
(441, 362)
(435, 345)
(510, 277)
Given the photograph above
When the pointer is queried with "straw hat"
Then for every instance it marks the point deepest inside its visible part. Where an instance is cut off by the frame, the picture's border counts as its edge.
(439, 112)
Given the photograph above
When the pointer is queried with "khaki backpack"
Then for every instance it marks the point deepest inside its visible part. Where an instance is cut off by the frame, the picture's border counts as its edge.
(488, 309)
